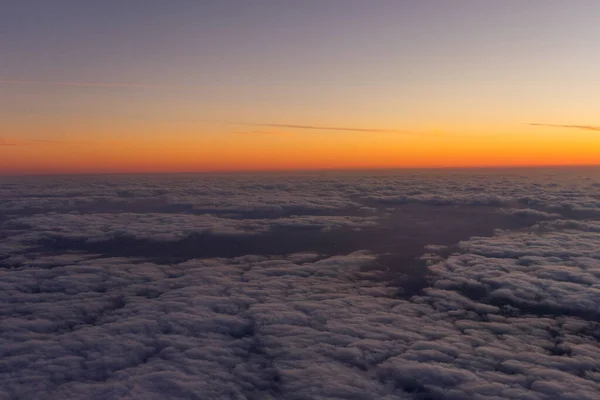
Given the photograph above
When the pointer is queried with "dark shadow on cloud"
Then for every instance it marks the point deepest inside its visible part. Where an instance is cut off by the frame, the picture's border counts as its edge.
(400, 240)
(207, 245)
(582, 127)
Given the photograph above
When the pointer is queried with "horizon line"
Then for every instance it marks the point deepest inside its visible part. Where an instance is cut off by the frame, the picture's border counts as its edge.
(304, 170)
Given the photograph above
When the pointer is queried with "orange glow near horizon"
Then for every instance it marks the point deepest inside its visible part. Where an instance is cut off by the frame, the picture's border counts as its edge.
(294, 150)
(208, 86)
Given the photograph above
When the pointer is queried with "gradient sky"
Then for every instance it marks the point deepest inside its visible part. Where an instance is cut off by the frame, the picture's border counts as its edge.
(193, 85)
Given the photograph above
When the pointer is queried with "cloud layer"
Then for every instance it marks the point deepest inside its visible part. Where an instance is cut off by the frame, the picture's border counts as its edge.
(511, 315)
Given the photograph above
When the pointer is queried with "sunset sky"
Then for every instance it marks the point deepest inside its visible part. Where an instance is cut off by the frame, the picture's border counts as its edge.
(194, 85)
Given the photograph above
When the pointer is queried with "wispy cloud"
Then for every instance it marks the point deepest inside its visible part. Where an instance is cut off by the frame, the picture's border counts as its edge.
(339, 128)
(321, 128)
(32, 142)
(83, 84)
(583, 127)
(265, 133)
(46, 141)
(4, 142)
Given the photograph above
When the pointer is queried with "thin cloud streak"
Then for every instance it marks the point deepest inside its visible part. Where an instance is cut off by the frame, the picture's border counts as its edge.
(338, 128)
(30, 142)
(46, 141)
(265, 133)
(83, 84)
(323, 128)
(582, 127)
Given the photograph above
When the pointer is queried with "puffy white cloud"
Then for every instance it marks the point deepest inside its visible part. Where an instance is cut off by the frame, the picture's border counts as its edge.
(564, 191)
(528, 212)
(169, 227)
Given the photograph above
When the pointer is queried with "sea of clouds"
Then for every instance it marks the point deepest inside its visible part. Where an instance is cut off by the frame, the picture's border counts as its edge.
(276, 286)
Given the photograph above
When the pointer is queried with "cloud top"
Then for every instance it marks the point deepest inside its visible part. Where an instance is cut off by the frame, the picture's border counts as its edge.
(510, 315)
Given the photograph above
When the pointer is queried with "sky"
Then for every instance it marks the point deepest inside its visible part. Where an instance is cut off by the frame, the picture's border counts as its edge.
(182, 85)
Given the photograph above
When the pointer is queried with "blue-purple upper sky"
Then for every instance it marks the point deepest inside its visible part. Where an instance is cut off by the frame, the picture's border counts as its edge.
(278, 42)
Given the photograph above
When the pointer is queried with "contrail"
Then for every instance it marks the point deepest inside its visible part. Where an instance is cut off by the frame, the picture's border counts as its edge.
(584, 127)
(27, 142)
(84, 84)
(339, 128)
(322, 128)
